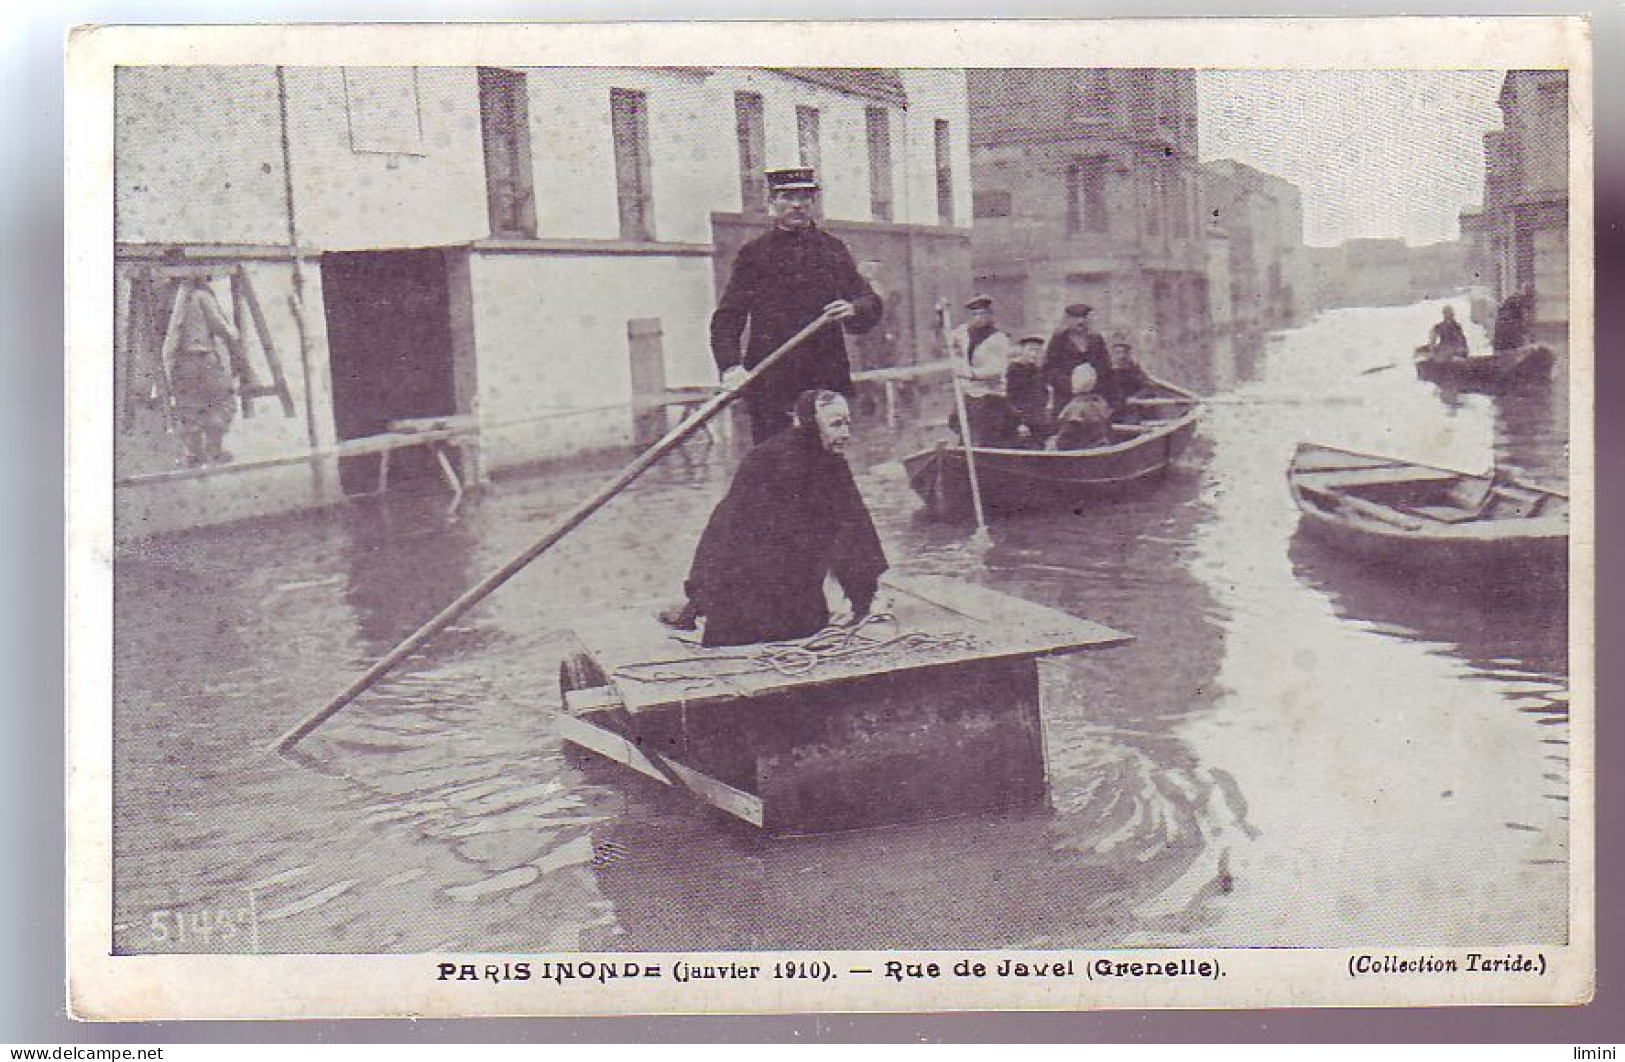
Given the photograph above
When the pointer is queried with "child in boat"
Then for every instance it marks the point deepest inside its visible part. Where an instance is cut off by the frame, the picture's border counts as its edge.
(1086, 420)
(1028, 391)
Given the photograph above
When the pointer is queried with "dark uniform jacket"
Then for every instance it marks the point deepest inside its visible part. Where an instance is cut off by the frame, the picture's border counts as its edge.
(1062, 356)
(781, 280)
(792, 516)
(1120, 385)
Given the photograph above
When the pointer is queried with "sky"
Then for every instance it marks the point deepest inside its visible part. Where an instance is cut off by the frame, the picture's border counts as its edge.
(1378, 153)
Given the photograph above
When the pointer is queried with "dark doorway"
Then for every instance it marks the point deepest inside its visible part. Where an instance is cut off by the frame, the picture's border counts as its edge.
(389, 339)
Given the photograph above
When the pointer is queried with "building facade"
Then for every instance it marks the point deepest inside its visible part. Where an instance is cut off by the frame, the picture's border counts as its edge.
(1086, 189)
(1262, 216)
(534, 252)
(1526, 199)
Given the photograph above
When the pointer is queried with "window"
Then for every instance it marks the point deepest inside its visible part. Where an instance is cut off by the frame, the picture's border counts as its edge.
(381, 106)
(505, 129)
(990, 204)
(945, 174)
(880, 182)
(752, 133)
(809, 147)
(1086, 195)
(629, 123)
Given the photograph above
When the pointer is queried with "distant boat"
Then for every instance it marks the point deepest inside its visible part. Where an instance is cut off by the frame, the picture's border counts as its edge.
(1014, 480)
(1420, 517)
(1488, 372)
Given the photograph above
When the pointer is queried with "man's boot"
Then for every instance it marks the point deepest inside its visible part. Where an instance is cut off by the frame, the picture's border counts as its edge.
(684, 617)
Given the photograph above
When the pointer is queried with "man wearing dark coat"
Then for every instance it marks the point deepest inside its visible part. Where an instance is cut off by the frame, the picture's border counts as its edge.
(792, 516)
(782, 280)
(1511, 329)
(1074, 344)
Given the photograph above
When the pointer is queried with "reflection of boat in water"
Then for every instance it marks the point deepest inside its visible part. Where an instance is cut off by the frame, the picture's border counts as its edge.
(1015, 480)
(1431, 519)
(930, 712)
(1488, 372)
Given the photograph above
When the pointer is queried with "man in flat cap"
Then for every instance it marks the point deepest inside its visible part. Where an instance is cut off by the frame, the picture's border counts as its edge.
(1073, 344)
(980, 353)
(782, 280)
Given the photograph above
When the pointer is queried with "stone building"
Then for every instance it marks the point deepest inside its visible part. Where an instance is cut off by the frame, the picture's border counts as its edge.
(1086, 188)
(531, 251)
(1262, 217)
(1526, 198)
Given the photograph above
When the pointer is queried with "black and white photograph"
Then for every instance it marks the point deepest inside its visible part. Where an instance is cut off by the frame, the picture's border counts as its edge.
(621, 534)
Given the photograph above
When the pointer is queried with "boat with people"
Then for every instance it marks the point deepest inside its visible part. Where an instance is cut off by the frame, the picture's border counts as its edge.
(1487, 372)
(1014, 480)
(930, 709)
(1421, 517)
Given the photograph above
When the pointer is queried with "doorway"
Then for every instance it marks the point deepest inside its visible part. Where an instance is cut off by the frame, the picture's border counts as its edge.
(390, 345)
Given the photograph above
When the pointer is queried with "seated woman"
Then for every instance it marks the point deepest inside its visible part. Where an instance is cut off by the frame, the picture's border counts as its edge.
(1086, 420)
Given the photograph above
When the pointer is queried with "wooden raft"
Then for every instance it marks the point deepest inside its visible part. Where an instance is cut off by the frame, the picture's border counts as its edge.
(945, 721)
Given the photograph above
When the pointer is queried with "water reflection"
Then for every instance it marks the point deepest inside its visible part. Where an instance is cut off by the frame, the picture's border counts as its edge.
(1293, 750)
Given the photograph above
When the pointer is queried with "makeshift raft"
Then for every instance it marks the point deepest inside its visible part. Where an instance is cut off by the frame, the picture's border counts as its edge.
(931, 712)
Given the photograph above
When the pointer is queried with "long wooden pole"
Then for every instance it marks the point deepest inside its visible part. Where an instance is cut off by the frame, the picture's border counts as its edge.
(563, 526)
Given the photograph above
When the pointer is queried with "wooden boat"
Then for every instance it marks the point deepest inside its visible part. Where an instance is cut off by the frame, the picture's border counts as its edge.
(1014, 480)
(1488, 372)
(1425, 518)
(932, 712)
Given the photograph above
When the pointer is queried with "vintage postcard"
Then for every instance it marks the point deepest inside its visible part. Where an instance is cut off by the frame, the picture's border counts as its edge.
(784, 517)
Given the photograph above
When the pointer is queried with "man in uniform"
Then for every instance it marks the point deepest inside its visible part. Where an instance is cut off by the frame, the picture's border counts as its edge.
(792, 517)
(1072, 345)
(781, 281)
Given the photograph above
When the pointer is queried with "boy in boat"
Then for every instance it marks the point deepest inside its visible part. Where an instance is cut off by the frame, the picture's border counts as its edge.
(1125, 380)
(1028, 393)
(1446, 340)
(981, 353)
(1086, 422)
(791, 517)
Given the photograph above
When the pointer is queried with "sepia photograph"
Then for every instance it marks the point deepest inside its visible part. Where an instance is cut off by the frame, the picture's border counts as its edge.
(799, 528)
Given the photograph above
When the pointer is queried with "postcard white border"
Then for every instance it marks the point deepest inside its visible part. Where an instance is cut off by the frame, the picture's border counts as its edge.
(104, 986)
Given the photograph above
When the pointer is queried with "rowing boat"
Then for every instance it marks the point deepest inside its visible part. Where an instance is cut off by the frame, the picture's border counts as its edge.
(1489, 372)
(1424, 518)
(1016, 480)
(930, 710)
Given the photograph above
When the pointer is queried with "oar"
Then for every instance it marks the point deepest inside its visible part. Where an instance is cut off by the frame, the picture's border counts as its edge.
(563, 526)
(981, 539)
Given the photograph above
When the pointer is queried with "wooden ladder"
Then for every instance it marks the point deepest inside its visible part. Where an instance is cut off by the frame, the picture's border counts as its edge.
(140, 351)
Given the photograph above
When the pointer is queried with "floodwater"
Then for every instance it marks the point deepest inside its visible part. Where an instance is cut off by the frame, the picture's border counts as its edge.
(1296, 750)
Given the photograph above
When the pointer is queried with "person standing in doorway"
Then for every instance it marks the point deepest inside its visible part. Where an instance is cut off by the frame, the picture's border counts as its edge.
(1074, 343)
(781, 281)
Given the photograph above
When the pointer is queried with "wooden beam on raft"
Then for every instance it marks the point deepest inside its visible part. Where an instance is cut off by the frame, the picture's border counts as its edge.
(607, 743)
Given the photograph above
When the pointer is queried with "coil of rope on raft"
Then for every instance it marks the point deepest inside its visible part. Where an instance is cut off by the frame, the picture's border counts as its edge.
(793, 659)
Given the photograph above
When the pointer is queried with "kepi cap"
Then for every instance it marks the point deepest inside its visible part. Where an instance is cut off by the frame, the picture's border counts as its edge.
(1035, 338)
(1120, 339)
(792, 179)
(979, 302)
(1079, 309)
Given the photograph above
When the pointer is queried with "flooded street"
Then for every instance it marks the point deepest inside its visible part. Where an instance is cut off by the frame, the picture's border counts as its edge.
(1295, 749)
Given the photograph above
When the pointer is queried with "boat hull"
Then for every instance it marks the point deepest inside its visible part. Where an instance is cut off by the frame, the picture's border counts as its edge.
(1522, 536)
(1023, 481)
(1489, 372)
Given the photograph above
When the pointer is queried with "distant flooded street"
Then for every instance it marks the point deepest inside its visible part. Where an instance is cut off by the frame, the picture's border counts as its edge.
(1295, 750)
